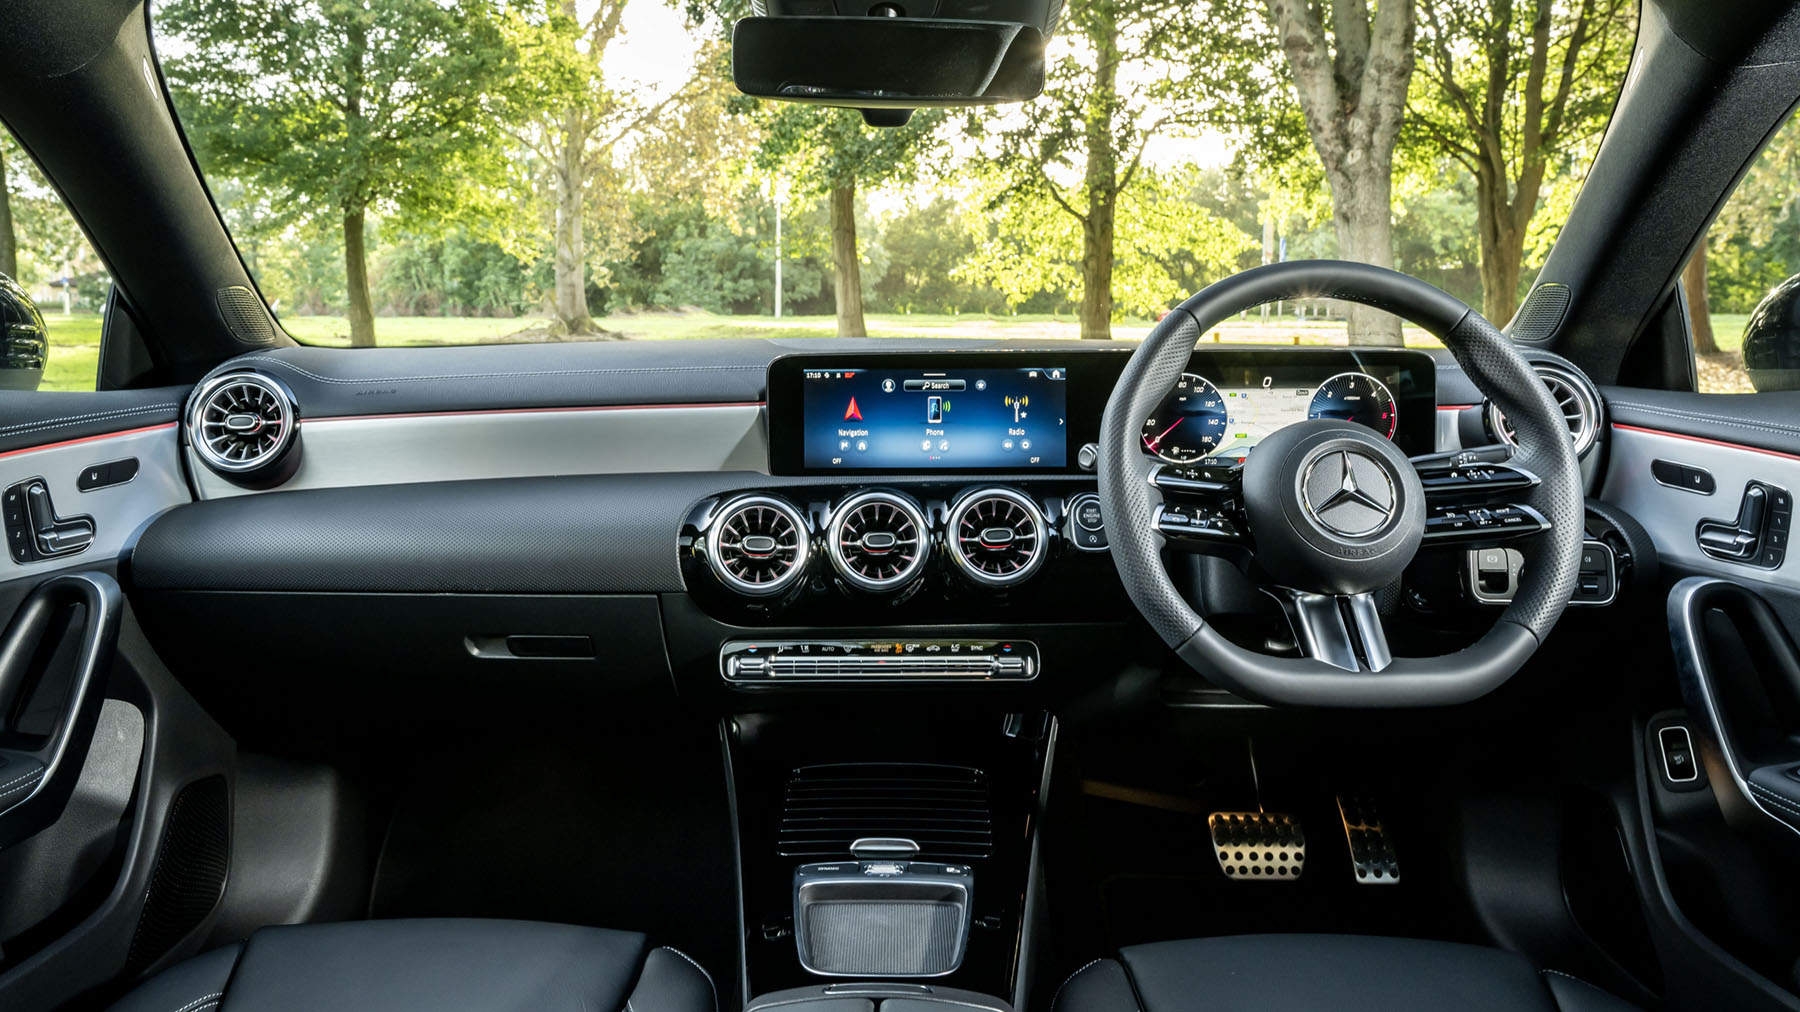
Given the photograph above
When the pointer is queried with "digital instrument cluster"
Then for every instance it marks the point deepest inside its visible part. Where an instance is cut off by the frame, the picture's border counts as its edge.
(1204, 419)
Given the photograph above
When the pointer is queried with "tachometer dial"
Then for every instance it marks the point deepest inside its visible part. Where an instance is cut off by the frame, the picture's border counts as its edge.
(1188, 424)
(1356, 397)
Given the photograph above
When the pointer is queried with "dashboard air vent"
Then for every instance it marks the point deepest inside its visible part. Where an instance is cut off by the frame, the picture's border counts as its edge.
(997, 536)
(243, 425)
(758, 545)
(877, 541)
(1574, 397)
(946, 810)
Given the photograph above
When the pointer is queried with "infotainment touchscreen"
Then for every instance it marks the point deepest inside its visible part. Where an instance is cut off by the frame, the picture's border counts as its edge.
(858, 418)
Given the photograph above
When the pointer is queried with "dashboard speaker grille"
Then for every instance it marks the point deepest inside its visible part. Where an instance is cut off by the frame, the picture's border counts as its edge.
(758, 546)
(1542, 313)
(1579, 404)
(946, 810)
(997, 536)
(244, 315)
(877, 541)
(241, 423)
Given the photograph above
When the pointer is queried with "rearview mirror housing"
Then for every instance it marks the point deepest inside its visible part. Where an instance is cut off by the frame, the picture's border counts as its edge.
(877, 58)
(24, 340)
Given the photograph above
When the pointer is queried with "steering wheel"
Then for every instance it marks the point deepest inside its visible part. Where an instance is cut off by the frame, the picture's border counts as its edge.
(1331, 512)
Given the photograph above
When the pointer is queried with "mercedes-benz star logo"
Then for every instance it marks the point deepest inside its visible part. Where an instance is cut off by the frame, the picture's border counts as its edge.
(1348, 493)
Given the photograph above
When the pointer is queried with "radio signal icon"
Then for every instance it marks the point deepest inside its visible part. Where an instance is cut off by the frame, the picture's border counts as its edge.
(1023, 402)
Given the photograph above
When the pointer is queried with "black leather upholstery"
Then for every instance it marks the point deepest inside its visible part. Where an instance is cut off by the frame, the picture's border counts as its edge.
(1307, 973)
(432, 966)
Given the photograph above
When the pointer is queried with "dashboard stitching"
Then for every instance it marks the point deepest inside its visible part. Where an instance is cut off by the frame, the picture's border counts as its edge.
(1694, 416)
(68, 420)
(309, 374)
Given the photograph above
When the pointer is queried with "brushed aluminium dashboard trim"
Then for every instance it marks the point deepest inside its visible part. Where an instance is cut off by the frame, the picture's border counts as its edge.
(347, 451)
(1672, 514)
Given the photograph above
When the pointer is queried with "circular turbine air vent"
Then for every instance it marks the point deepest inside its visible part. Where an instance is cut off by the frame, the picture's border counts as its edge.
(1574, 397)
(758, 545)
(877, 541)
(997, 536)
(242, 424)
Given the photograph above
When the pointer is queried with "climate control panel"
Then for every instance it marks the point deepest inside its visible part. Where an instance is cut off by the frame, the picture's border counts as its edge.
(863, 661)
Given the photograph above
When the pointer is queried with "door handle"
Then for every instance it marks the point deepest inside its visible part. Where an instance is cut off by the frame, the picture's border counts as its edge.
(64, 634)
(1750, 758)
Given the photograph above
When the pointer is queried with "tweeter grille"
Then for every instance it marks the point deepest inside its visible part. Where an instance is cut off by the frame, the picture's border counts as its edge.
(189, 876)
(1542, 313)
(245, 315)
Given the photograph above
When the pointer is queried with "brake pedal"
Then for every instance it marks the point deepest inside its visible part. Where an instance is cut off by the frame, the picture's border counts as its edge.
(1372, 855)
(1258, 846)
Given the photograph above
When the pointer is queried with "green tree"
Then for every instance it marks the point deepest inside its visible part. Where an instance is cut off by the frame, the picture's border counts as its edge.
(1350, 69)
(347, 105)
(1126, 76)
(573, 121)
(9, 243)
(831, 153)
(1515, 91)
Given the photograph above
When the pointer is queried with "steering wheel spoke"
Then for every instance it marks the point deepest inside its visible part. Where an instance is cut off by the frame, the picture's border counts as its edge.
(1471, 502)
(1342, 630)
(1202, 508)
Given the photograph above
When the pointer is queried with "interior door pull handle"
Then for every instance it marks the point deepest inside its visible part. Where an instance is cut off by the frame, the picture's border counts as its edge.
(39, 770)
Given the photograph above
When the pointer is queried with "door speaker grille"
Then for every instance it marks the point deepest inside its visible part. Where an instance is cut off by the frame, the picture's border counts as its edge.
(189, 877)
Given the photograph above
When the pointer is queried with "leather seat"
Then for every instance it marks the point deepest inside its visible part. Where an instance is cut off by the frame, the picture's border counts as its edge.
(1323, 973)
(432, 966)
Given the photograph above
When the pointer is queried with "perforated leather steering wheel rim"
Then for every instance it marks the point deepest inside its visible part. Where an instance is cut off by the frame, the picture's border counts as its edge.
(1552, 557)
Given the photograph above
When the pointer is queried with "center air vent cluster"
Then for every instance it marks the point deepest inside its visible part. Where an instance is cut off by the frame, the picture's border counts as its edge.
(878, 542)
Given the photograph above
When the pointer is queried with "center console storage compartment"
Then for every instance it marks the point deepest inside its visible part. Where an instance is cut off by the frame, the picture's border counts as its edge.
(887, 850)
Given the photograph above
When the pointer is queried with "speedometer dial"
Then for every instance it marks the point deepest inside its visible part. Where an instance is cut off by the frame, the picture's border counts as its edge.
(1356, 397)
(1188, 424)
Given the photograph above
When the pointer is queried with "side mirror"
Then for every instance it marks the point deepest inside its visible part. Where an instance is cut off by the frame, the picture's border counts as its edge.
(24, 340)
(1772, 339)
(874, 55)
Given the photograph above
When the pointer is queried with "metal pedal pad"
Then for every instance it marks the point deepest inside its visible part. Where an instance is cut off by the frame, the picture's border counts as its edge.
(1372, 855)
(1258, 846)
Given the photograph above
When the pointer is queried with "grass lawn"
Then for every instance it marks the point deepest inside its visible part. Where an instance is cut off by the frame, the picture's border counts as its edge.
(75, 340)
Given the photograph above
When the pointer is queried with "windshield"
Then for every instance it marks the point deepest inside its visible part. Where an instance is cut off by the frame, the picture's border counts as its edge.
(414, 172)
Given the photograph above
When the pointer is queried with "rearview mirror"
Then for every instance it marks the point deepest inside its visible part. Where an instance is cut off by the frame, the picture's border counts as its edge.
(24, 340)
(873, 57)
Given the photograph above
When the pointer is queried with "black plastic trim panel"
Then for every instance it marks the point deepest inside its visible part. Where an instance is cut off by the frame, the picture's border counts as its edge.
(565, 534)
(31, 418)
(1768, 421)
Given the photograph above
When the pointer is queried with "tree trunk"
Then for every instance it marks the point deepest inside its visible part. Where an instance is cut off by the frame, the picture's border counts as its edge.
(846, 268)
(570, 300)
(1102, 177)
(1097, 272)
(1362, 214)
(356, 282)
(9, 245)
(1693, 279)
(1502, 246)
(1353, 103)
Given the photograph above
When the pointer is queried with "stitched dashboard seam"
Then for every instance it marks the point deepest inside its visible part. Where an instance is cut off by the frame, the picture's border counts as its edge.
(68, 420)
(534, 374)
(1692, 416)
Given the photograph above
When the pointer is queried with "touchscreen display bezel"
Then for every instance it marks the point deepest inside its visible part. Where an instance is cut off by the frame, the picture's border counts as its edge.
(1092, 373)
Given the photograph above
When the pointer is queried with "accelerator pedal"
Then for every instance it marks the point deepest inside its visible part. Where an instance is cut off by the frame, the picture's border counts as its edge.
(1258, 846)
(1372, 855)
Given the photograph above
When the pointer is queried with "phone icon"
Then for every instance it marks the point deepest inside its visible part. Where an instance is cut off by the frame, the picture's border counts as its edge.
(934, 410)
